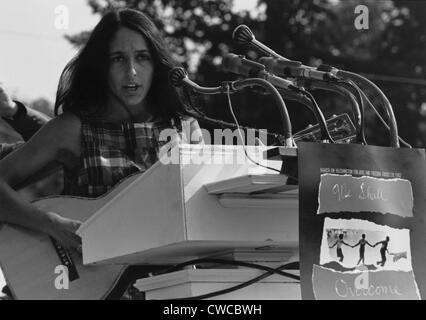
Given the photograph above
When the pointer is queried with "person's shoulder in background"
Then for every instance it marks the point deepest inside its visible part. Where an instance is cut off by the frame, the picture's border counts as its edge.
(26, 121)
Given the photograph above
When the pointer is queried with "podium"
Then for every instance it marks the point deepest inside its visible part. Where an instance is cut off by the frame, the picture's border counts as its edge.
(197, 201)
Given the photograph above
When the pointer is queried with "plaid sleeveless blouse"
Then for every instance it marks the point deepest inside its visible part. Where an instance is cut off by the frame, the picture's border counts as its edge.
(110, 152)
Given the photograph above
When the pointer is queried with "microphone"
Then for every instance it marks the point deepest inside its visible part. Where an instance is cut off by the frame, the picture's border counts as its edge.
(243, 35)
(242, 66)
(295, 69)
(179, 77)
(247, 68)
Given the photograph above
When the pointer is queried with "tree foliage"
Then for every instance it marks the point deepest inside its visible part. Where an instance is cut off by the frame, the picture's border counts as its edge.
(314, 32)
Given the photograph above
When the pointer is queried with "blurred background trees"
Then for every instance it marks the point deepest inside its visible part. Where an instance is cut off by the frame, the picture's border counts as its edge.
(391, 52)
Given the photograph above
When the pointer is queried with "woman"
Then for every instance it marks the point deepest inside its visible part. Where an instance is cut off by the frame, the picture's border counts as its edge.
(115, 100)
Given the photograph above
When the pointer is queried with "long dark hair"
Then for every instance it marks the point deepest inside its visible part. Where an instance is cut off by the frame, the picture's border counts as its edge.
(83, 85)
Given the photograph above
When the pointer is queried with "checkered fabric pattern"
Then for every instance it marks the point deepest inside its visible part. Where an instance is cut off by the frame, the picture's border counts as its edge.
(110, 152)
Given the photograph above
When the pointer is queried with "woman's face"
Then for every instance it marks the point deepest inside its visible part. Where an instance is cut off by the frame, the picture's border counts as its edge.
(131, 68)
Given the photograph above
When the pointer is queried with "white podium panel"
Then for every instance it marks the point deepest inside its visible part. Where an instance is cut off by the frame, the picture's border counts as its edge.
(197, 282)
(166, 215)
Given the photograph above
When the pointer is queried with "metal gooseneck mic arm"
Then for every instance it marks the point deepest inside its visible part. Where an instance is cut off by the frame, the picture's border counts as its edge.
(240, 84)
(179, 77)
(343, 91)
(243, 35)
(304, 98)
(300, 98)
(307, 76)
(295, 69)
(248, 68)
(388, 107)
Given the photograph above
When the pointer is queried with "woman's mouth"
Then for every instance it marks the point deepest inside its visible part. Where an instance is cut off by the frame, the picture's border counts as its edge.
(131, 87)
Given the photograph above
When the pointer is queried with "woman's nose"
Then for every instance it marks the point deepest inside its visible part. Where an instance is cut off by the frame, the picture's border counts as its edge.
(131, 68)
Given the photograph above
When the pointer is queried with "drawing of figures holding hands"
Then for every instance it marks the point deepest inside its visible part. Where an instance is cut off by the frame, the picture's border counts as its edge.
(339, 244)
(361, 243)
(383, 250)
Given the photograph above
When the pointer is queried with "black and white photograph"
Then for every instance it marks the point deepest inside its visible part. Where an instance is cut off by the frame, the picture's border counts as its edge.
(353, 245)
(161, 149)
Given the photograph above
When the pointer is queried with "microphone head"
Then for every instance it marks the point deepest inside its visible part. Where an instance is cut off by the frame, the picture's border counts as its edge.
(176, 76)
(242, 34)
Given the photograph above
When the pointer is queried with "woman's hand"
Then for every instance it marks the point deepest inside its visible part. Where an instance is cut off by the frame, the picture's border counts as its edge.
(8, 107)
(63, 230)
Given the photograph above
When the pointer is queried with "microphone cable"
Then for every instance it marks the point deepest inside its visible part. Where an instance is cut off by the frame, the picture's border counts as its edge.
(393, 127)
(178, 76)
(385, 101)
(405, 143)
(269, 271)
(241, 138)
(277, 137)
(201, 116)
(360, 138)
(237, 125)
(243, 35)
(318, 111)
(228, 94)
(363, 97)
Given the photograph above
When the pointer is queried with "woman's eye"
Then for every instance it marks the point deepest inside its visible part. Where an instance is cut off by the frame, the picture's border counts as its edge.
(117, 59)
(143, 57)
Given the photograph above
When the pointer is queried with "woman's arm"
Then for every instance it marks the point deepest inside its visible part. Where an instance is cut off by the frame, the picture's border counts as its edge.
(46, 147)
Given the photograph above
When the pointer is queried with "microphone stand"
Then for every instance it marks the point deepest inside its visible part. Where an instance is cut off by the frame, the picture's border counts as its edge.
(286, 138)
(286, 123)
(358, 112)
(394, 141)
(289, 166)
(303, 98)
(243, 35)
